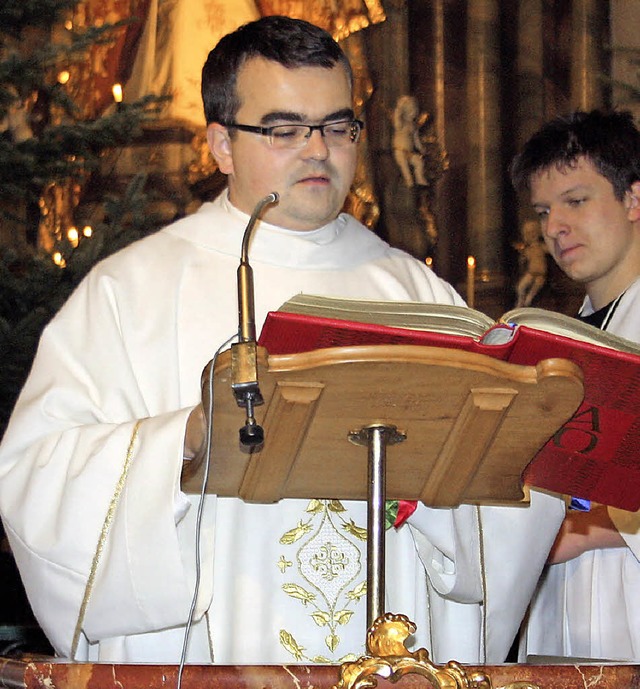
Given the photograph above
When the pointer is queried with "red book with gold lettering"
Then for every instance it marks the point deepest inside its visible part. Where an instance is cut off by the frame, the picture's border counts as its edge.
(595, 455)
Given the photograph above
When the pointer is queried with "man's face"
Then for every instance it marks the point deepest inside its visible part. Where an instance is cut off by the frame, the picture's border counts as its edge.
(593, 237)
(312, 181)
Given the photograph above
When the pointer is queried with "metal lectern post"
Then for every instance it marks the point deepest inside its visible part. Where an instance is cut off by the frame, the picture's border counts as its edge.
(376, 437)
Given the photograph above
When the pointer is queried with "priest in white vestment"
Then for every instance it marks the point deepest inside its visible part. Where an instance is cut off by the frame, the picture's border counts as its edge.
(90, 466)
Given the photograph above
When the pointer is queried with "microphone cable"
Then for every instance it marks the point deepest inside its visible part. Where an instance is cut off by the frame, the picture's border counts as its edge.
(199, 516)
(246, 335)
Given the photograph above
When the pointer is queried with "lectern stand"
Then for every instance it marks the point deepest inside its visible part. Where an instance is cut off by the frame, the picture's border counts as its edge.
(376, 438)
(464, 426)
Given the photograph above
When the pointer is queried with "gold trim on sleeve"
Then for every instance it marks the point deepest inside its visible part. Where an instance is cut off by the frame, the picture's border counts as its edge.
(108, 520)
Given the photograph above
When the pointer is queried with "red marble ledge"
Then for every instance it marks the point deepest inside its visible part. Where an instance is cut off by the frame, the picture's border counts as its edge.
(57, 674)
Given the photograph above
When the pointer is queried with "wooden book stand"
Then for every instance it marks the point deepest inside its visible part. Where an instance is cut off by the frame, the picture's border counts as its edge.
(464, 425)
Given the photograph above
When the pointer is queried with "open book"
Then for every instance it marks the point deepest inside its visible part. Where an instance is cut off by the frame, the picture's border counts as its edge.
(596, 455)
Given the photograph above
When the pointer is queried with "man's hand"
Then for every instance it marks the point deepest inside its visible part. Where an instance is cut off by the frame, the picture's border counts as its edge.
(583, 531)
(194, 435)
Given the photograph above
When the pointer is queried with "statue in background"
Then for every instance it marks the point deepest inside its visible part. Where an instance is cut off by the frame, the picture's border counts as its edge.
(422, 162)
(408, 149)
(533, 259)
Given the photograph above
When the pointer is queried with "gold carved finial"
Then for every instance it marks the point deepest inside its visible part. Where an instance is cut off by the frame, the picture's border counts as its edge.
(389, 658)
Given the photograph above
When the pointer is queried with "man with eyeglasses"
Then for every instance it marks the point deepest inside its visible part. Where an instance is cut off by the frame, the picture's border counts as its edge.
(91, 464)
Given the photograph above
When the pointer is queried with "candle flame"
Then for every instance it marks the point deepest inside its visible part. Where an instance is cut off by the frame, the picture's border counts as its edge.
(72, 236)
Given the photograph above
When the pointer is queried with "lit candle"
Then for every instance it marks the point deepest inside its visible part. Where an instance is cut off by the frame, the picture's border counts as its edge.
(429, 261)
(471, 278)
(73, 237)
(116, 89)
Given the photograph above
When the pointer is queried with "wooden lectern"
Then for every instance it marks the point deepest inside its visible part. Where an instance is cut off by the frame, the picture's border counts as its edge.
(464, 425)
(472, 423)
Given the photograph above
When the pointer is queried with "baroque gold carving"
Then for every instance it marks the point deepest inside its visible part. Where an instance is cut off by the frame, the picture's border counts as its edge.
(340, 19)
(203, 164)
(389, 658)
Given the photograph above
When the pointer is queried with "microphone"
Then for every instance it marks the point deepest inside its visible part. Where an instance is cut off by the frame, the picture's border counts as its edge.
(244, 364)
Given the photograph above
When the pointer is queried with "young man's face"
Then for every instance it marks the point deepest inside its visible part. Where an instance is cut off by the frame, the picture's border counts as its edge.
(312, 181)
(593, 237)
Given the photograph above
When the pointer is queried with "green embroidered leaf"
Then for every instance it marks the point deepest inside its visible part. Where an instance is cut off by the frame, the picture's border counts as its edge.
(332, 642)
(349, 658)
(321, 660)
(357, 593)
(321, 618)
(315, 506)
(336, 506)
(291, 644)
(298, 592)
(283, 564)
(355, 530)
(343, 616)
(295, 534)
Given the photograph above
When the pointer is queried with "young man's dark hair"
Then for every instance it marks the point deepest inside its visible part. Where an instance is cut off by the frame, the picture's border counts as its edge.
(610, 140)
(289, 42)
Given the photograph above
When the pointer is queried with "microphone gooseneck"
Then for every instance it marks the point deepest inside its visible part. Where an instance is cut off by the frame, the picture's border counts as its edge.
(244, 364)
(268, 200)
(246, 309)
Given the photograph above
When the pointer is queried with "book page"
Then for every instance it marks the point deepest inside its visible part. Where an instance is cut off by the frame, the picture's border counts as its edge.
(442, 318)
(560, 324)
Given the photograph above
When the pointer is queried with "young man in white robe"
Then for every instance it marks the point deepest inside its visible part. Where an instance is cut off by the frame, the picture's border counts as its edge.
(90, 466)
(583, 176)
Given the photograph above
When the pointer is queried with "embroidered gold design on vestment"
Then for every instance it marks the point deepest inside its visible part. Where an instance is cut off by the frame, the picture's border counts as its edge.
(329, 574)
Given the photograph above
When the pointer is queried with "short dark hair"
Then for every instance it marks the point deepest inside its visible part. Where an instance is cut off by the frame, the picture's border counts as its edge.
(290, 42)
(609, 140)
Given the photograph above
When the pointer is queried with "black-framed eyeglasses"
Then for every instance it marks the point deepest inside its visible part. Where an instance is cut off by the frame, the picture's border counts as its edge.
(342, 133)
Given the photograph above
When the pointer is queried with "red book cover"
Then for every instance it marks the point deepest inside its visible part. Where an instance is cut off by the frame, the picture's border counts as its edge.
(595, 455)
(290, 333)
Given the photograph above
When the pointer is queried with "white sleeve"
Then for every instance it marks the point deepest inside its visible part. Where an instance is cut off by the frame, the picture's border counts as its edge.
(61, 461)
(447, 544)
(491, 556)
